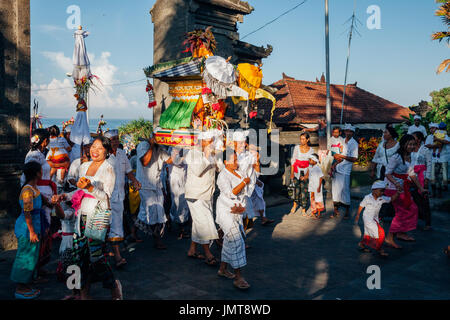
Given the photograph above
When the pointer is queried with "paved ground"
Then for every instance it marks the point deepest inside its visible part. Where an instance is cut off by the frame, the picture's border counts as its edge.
(295, 258)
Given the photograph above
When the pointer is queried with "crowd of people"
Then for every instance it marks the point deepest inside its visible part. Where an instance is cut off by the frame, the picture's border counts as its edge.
(153, 187)
(403, 171)
(213, 189)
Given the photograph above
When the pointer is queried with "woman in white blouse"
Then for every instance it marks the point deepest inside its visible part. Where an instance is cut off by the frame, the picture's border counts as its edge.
(386, 149)
(421, 160)
(400, 176)
(300, 172)
(95, 186)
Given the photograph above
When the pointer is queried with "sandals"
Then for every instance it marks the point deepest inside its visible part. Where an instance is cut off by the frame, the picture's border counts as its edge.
(396, 246)
(267, 222)
(362, 248)
(121, 263)
(228, 275)
(241, 284)
(196, 256)
(33, 294)
(211, 261)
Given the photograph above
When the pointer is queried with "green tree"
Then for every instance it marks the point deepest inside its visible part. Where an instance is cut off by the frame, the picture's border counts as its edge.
(444, 13)
(134, 130)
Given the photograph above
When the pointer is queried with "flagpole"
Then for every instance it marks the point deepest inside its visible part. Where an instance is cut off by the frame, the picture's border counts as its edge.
(327, 58)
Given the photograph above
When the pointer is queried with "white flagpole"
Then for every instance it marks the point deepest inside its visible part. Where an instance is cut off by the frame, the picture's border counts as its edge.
(327, 58)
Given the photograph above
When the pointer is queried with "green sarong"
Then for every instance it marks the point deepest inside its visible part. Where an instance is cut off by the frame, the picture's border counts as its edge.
(26, 259)
(177, 115)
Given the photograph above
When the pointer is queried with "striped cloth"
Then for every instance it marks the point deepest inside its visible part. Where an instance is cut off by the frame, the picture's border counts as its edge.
(188, 69)
(233, 248)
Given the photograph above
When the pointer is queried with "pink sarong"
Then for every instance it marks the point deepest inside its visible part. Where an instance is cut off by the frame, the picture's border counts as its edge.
(405, 218)
(420, 169)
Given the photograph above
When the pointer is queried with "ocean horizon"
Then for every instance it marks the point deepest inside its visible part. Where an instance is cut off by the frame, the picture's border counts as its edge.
(93, 123)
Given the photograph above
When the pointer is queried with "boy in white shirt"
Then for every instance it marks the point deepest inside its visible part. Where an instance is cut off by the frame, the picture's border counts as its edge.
(373, 232)
(315, 186)
(335, 146)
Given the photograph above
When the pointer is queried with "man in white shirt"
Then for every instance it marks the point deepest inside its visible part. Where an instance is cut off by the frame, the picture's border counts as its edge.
(119, 160)
(200, 185)
(439, 164)
(417, 126)
(246, 163)
(151, 218)
(340, 183)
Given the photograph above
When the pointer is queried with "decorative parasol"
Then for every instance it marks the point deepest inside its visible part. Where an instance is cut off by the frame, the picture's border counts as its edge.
(83, 80)
(35, 122)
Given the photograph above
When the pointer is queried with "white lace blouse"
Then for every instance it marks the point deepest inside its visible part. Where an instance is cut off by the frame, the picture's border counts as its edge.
(382, 155)
(103, 182)
(396, 165)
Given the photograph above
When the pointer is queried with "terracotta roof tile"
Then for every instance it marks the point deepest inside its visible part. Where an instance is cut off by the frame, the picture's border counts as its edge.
(301, 101)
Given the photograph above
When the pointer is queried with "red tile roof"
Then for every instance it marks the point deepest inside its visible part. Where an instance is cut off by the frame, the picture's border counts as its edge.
(301, 101)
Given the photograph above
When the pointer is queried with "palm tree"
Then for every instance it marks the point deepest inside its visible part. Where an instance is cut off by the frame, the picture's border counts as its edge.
(444, 12)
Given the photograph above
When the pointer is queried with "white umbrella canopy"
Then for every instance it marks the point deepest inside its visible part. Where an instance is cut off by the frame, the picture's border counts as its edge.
(220, 76)
(82, 78)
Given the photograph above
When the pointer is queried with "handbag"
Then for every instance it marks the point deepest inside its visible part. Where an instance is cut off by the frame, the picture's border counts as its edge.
(97, 223)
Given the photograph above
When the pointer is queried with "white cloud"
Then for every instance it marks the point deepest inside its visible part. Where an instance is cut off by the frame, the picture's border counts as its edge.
(50, 28)
(57, 96)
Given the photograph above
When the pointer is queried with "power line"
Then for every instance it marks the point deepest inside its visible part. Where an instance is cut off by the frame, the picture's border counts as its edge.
(352, 28)
(103, 85)
(272, 21)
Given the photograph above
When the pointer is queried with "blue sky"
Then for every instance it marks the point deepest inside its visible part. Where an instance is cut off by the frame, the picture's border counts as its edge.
(397, 62)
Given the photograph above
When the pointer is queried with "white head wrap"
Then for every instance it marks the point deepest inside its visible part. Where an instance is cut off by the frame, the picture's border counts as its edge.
(417, 117)
(379, 185)
(240, 135)
(206, 135)
(111, 133)
(433, 125)
(314, 158)
(348, 126)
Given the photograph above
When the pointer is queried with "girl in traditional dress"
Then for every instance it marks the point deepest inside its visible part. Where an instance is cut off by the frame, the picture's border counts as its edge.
(39, 142)
(230, 207)
(315, 186)
(421, 161)
(179, 210)
(95, 187)
(400, 176)
(28, 230)
(58, 155)
(299, 172)
(373, 232)
(385, 150)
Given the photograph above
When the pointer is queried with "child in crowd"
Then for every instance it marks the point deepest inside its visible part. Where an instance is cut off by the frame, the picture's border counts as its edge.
(257, 197)
(373, 232)
(58, 155)
(335, 146)
(230, 207)
(315, 186)
(441, 133)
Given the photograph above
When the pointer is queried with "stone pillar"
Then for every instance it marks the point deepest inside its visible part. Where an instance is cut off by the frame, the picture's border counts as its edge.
(15, 82)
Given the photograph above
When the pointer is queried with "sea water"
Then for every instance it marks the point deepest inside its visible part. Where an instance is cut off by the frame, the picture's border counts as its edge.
(93, 123)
